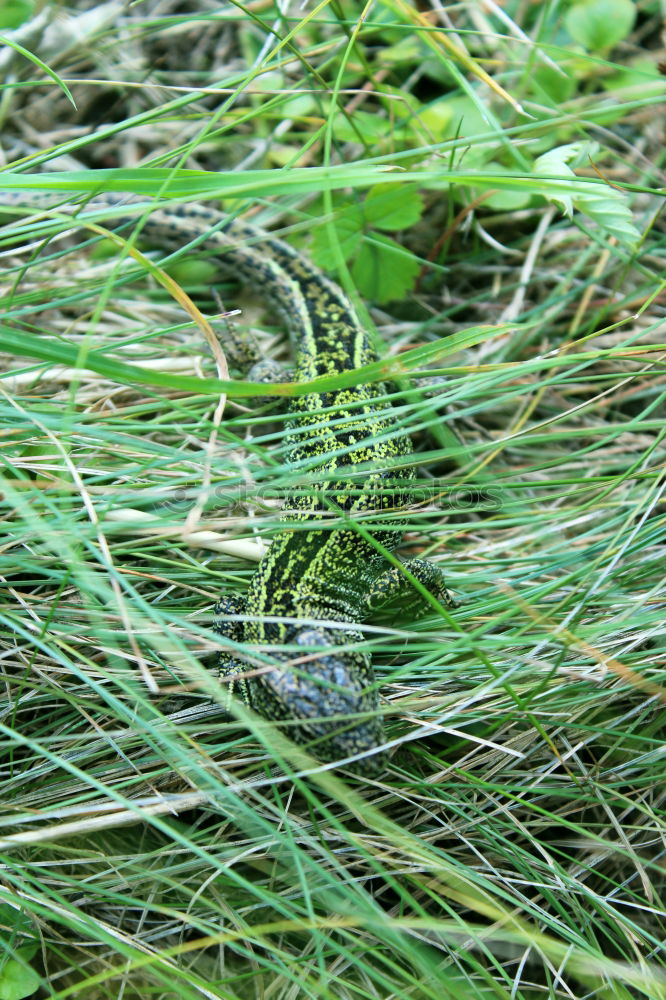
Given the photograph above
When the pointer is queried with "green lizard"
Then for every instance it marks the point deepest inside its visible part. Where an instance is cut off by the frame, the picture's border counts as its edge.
(315, 585)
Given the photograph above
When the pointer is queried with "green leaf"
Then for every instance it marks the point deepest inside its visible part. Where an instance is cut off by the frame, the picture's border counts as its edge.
(364, 124)
(384, 270)
(503, 199)
(17, 980)
(298, 106)
(193, 271)
(408, 50)
(464, 118)
(642, 73)
(393, 206)
(557, 86)
(600, 24)
(436, 119)
(14, 13)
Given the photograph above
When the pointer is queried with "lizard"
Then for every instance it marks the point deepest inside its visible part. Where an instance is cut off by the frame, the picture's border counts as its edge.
(318, 582)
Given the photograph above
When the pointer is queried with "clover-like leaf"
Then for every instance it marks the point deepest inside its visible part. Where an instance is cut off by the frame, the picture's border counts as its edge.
(600, 24)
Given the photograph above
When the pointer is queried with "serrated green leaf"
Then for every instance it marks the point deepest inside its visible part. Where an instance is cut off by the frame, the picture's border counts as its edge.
(349, 230)
(600, 24)
(393, 206)
(608, 207)
(555, 163)
(550, 166)
(384, 270)
(552, 163)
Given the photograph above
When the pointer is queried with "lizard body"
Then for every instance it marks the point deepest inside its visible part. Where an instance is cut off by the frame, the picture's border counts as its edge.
(316, 584)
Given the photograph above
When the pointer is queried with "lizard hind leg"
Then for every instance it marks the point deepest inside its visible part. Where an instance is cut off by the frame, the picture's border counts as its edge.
(228, 663)
(326, 694)
(392, 593)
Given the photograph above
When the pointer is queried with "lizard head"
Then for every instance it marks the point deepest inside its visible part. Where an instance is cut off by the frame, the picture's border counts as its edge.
(324, 690)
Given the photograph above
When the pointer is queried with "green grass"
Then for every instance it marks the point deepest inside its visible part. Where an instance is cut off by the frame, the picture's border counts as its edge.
(153, 845)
